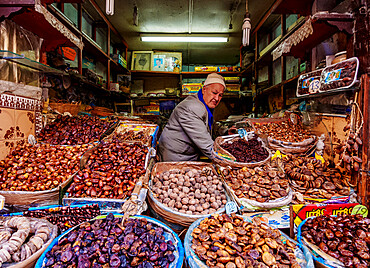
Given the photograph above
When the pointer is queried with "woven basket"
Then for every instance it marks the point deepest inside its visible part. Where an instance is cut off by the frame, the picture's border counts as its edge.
(165, 212)
(61, 107)
(101, 111)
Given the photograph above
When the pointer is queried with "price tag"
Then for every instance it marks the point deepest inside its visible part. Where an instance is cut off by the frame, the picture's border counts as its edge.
(231, 207)
(314, 86)
(129, 208)
(360, 209)
(31, 139)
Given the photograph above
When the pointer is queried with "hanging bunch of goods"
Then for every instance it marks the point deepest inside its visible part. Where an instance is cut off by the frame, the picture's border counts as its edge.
(133, 242)
(111, 171)
(287, 136)
(232, 241)
(313, 178)
(185, 191)
(66, 217)
(248, 151)
(22, 238)
(340, 241)
(66, 130)
(261, 187)
(350, 149)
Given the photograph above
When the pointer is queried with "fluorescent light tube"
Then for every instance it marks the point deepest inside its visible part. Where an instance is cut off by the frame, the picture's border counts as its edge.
(184, 39)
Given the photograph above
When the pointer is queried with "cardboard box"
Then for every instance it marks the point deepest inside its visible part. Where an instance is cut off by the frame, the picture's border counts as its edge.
(191, 88)
(206, 69)
(232, 88)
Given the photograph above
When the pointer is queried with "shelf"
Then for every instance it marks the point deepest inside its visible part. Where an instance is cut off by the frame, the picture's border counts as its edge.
(294, 7)
(138, 73)
(40, 21)
(14, 57)
(272, 88)
(267, 56)
(247, 70)
(156, 98)
(204, 74)
(323, 26)
(321, 94)
(118, 68)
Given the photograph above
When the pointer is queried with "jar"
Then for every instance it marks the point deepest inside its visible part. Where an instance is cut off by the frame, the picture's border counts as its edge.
(340, 56)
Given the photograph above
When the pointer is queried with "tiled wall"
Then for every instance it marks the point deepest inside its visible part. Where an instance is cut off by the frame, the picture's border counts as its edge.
(19, 117)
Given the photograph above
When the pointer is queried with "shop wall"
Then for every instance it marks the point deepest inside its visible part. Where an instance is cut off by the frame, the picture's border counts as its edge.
(19, 118)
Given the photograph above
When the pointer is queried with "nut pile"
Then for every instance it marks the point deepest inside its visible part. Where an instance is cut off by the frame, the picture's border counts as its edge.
(257, 184)
(66, 217)
(346, 238)
(230, 242)
(349, 151)
(347, 72)
(111, 171)
(189, 191)
(66, 130)
(19, 245)
(246, 151)
(311, 177)
(111, 243)
(284, 131)
(40, 167)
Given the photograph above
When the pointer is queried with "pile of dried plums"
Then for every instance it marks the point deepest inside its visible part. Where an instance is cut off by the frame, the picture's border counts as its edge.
(111, 243)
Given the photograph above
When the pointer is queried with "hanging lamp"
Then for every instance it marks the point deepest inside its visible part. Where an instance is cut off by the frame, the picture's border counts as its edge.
(109, 7)
(246, 26)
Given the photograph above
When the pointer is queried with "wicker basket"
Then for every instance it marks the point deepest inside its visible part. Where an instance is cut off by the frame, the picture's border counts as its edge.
(101, 111)
(61, 107)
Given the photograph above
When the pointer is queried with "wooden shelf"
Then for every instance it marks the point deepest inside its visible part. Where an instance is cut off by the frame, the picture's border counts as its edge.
(324, 25)
(294, 7)
(274, 87)
(118, 68)
(204, 74)
(247, 70)
(137, 73)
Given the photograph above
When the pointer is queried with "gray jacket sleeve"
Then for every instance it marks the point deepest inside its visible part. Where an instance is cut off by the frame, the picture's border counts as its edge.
(197, 130)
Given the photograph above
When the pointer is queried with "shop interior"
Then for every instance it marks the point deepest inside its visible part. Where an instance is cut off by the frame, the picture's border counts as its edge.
(88, 87)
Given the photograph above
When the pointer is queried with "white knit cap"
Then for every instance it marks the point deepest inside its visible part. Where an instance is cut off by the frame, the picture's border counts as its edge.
(214, 78)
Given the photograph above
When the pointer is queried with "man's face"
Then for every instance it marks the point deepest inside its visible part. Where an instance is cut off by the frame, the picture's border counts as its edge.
(212, 94)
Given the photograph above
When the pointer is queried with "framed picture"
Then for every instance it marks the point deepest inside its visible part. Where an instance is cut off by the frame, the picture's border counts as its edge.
(167, 61)
(142, 60)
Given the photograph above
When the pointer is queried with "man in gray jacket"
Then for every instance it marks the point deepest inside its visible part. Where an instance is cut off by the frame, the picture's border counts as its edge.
(187, 134)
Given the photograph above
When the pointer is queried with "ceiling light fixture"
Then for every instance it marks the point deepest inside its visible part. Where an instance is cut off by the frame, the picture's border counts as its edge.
(184, 39)
(246, 26)
(109, 7)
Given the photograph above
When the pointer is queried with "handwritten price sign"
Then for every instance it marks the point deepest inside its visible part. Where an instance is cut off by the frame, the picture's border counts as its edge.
(360, 209)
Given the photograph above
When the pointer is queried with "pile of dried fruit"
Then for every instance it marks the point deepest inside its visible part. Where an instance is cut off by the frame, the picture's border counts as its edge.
(190, 191)
(111, 243)
(29, 237)
(40, 167)
(346, 238)
(283, 131)
(312, 178)
(223, 241)
(66, 217)
(111, 171)
(66, 130)
(257, 184)
(246, 151)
